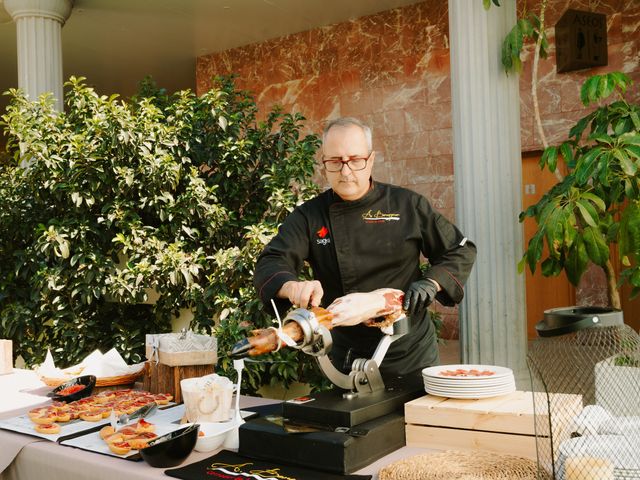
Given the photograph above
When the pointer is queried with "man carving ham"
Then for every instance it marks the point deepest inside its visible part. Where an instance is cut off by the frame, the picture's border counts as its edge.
(361, 236)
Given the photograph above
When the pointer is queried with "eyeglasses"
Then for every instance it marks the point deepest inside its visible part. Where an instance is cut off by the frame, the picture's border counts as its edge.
(335, 164)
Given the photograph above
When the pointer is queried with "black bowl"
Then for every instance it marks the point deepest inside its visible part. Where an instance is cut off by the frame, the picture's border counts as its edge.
(89, 381)
(172, 449)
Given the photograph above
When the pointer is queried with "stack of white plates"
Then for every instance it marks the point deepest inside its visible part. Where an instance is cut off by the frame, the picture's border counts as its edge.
(468, 381)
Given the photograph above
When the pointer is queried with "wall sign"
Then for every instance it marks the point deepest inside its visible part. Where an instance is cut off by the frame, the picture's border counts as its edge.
(581, 40)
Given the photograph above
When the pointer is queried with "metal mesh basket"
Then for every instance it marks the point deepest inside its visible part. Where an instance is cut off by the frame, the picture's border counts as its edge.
(585, 375)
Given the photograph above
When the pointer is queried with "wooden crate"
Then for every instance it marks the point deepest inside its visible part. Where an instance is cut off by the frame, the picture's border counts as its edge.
(164, 379)
(503, 424)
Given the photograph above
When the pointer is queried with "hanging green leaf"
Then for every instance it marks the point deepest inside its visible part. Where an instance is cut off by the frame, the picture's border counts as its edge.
(587, 212)
(577, 130)
(566, 151)
(577, 260)
(551, 267)
(586, 163)
(633, 150)
(570, 230)
(628, 166)
(556, 224)
(599, 87)
(534, 252)
(595, 245)
(596, 200)
(549, 158)
(522, 264)
(605, 86)
(635, 118)
(629, 233)
(589, 89)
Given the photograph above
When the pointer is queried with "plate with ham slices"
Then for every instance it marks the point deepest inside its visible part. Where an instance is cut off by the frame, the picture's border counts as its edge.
(468, 381)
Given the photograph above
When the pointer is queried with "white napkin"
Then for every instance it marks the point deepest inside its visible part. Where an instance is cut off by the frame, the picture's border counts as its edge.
(91, 359)
(48, 367)
(591, 420)
(110, 364)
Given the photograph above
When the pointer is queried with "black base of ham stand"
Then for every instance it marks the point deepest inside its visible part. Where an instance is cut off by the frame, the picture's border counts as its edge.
(355, 432)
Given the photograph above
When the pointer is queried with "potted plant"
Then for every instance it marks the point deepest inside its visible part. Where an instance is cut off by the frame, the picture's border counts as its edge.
(594, 207)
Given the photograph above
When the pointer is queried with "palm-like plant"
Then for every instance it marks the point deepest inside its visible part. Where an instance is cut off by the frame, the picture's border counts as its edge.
(597, 204)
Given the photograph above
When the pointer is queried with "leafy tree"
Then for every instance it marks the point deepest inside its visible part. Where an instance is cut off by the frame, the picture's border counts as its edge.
(597, 204)
(112, 199)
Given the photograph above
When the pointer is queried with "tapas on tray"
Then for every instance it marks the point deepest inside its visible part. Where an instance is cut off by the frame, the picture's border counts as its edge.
(94, 408)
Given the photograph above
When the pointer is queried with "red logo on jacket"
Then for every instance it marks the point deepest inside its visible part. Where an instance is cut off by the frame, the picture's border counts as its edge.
(323, 238)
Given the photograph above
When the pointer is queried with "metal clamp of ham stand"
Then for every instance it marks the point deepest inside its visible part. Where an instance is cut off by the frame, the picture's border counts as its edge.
(364, 377)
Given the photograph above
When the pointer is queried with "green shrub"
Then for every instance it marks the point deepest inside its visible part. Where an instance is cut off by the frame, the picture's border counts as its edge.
(176, 193)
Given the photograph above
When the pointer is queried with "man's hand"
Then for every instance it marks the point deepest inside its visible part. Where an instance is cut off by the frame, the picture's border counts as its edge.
(420, 295)
(302, 294)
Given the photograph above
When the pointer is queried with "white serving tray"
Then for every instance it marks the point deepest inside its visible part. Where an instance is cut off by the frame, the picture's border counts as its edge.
(73, 428)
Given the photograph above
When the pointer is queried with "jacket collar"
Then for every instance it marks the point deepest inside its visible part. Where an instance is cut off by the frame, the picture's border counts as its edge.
(372, 195)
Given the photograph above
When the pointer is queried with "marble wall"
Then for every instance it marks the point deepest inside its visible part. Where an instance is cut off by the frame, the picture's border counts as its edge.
(392, 71)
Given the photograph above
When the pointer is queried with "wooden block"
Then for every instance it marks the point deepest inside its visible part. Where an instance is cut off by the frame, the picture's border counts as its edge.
(164, 379)
(6, 356)
(452, 438)
(511, 413)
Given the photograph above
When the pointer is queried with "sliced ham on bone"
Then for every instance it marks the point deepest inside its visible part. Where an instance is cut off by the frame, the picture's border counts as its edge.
(356, 308)
(379, 308)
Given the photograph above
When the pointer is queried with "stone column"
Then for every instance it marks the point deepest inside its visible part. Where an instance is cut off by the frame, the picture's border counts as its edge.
(39, 30)
(488, 178)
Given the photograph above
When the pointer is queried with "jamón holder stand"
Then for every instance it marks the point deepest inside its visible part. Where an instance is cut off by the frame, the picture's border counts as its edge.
(362, 394)
(357, 423)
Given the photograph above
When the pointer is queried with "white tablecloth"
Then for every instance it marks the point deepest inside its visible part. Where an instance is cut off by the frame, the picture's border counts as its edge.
(30, 458)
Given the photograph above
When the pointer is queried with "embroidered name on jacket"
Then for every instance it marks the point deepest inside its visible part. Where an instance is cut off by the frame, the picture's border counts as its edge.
(322, 235)
(380, 217)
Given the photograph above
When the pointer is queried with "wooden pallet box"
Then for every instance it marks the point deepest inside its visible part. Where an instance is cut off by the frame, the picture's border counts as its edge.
(172, 357)
(160, 378)
(504, 424)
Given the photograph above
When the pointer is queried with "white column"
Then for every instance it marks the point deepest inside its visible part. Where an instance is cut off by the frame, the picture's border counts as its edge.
(39, 31)
(488, 178)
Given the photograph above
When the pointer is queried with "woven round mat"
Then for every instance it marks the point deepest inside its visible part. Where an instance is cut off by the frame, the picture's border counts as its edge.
(458, 465)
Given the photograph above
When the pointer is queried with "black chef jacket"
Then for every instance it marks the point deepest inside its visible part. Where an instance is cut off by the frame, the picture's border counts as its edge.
(359, 246)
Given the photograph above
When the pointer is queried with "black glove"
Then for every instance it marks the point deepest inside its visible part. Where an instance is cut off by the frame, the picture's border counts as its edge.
(419, 296)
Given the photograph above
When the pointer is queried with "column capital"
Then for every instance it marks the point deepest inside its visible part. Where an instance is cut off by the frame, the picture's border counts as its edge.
(58, 10)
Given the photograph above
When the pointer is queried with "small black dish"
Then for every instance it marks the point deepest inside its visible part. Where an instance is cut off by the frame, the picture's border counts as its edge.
(171, 449)
(88, 381)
